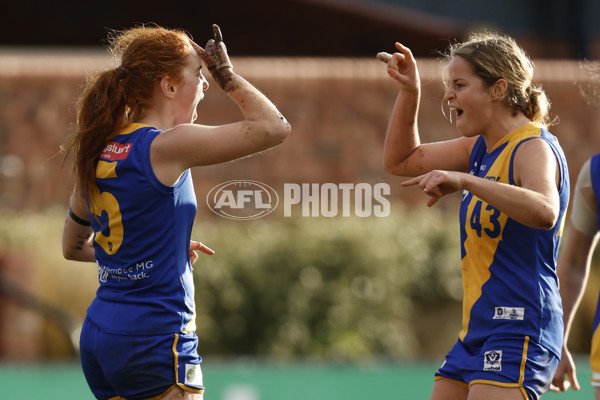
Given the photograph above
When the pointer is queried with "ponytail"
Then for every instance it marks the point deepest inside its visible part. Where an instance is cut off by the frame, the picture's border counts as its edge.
(117, 97)
(538, 106)
(102, 112)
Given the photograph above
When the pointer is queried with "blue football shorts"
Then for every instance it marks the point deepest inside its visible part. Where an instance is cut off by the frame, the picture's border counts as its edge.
(507, 361)
(136, 367)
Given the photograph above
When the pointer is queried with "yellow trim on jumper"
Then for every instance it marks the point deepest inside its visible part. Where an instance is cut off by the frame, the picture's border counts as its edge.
(106, 170)
(132, 128)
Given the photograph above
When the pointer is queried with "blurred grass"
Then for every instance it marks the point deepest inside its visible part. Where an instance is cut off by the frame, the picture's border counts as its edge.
(254, 380)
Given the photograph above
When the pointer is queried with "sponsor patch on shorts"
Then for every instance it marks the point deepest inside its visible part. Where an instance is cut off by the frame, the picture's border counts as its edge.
(509, 313)
(193, 375)
(492, 360)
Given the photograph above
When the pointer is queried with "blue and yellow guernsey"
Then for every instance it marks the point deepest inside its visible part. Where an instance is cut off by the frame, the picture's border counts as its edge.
(509, 269)
(595, 352)
(142, 232)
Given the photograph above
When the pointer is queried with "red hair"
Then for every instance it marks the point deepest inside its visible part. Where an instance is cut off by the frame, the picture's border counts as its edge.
(117, 97)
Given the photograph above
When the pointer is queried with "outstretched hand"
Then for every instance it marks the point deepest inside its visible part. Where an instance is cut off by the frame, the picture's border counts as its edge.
(215, 57)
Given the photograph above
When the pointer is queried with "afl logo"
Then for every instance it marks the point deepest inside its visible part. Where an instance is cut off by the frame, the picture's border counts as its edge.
(242, 199)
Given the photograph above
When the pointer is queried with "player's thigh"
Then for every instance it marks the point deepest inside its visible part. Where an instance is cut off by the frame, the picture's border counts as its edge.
(491, 392)
(447, 389)
(597, 393)
(177, 393)
(193, 396)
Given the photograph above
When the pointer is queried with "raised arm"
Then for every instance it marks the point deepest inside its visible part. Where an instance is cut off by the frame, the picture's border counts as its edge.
(403, 152)
(190, 145)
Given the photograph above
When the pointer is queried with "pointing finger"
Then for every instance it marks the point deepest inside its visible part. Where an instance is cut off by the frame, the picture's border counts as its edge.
(404, 50)
(401, 47)
(413, 181)
(207, 250)
(201, 246)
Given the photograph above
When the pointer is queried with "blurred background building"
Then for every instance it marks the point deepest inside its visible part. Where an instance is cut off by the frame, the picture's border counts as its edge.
(364, 291)
(330, 28)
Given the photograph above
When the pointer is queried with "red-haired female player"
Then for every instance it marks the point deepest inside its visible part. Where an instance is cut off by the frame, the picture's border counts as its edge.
(133, 205)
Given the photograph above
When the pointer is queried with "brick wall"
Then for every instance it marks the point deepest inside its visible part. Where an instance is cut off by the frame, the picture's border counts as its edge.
(338, 109)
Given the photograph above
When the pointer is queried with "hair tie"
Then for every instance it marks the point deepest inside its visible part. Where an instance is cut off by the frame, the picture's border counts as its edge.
(121, 72)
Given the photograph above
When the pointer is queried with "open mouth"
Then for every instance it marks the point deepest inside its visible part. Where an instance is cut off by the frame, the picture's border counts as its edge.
(456, 111)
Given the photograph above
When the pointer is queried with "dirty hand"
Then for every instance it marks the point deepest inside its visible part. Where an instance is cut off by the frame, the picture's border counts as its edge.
(216, 59)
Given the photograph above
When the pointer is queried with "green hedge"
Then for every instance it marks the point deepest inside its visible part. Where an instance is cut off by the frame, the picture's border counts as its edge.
(342, 288)
(346, 288)
(338, 289)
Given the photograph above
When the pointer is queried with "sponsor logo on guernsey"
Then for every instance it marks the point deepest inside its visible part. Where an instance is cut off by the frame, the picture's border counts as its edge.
(115, 151)
(492, 360)
(133, 273)
(193, 375)
(509, 313)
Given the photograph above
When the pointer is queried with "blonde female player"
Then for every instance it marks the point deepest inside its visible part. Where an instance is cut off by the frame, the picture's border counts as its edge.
(133, 205)
(514, 182)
